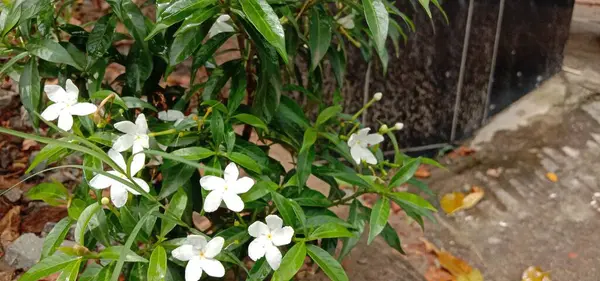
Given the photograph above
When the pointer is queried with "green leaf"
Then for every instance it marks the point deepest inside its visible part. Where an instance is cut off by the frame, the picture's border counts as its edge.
(197, 18)
(208, 49)
(56, 236)
(245, 161)
(115, 252)
(174, 177)
(319, 220)
(251, 120)
(49, 50)
(285, 208)
(378, 21)
(304, 165)
(330, 230)
(89, 220)
(258, 190)
(91, 271)
(320, 36)
(310, 136)
(379, 216)
(390, 236)
(76, 208)
(126, 248)
(194, 153)
(259, 271)
(48, 266)
(157, 270)
(412, 199)
(54, 193)
(70, 272)
(312, 198)
(12, 61)
(49, 154)
(133, 102)
(405, 173)
(237, 91)
(264, 19)
(100, 39)
(105, 272)
(358, 222)
(177, 12)
(175, 208)
(328, 113)
(184, 45)
(30, 89)
(299, 212)
(291, 263)
(338, 65)
(330, 266)
(93, 162)
(217, 127)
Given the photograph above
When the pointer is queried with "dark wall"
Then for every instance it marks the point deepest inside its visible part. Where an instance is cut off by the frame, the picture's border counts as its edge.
(420, 88)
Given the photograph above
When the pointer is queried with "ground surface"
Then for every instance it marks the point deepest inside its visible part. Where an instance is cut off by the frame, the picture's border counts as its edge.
(524, 219)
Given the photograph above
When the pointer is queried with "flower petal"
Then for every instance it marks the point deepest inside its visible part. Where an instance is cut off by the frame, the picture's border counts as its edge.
(118, 194)
(274, 222)
(143, 184)
(53, 111)
(373, 139)
(170, 115)
(141, 124)
(256, 249)
(367, 155)
(212, 267)
(233, 201)
(198, 241)
(212, 182)
(282, 236)
(258, 229)
(65, 120)
(141, 141)
(352, 140)
(193, 270)
(126, 127)
(185, 252)
(55, 93)
(123, 143)
(137, 163)
(212, 201)
(213, 247)
(242, 185)
(115, 156)
(356, 152)
(363, 132)
(273, 257)
(72, 91)
(231, 173)
(100, 181)
(82, 109)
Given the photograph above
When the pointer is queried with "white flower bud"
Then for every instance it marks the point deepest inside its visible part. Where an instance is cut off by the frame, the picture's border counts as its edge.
(378, 96)
(398, 126)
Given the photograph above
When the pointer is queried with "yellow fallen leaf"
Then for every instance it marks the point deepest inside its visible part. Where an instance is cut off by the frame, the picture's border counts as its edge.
(534, 273)
(552, 177)
(452, 202)
(473, 198)
(475, 275)
(458, 268)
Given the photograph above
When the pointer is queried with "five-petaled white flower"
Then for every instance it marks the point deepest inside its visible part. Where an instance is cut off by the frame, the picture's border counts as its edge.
(268, 237)
(359, 145)
(65, 105)
(200, 256)
(226, 189)
(171, 115)
(118, 190)
(135, 137)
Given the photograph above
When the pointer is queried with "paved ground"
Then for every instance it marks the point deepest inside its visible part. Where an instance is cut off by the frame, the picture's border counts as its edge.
(524, 219)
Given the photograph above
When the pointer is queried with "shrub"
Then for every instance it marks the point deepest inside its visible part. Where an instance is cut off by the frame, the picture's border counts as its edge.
(155, 154)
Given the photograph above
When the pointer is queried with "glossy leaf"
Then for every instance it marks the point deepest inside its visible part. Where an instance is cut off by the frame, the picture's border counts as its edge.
(285, 208)
(208, 49)
(379, 216)
(194, 153)
(157, 270)
(378, 20)
(47, 266)
(126, 248)
(412, 199)
(49, 50)
(327, 114)
(320, 36)
(251, 120)
(56, 236)
(115, 252)
(12, 61)
(245, 161)
(84, 221)
(175, 208)
(100, 39)
(259, 271)
(405, 173)
(391, 237)
(184, 46)
(264, 19)
(174, 178)
(332, 268)
(53, 193)
(310, 136)
(176, 12)
(330, 230)
(291, 263)
(358, 221)
(30, 89)
(197, 18)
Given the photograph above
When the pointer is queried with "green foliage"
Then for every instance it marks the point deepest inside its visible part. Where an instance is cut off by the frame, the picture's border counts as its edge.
(239, 114)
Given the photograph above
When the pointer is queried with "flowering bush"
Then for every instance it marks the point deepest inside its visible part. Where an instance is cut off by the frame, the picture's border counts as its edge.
(154, 156)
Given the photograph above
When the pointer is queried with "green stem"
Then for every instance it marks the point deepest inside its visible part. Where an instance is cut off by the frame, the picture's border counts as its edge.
(344, 200)
(165, 132)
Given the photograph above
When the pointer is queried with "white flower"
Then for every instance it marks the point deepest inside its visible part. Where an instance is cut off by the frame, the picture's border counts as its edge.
(398, 126)
(118, 190)
(268, 237)
(65, 105)
(359, 143)
(347, 22)
(226, 189)
(220, 26)
(200, 256)
(171, 115)
(135, 137)
(378, 96)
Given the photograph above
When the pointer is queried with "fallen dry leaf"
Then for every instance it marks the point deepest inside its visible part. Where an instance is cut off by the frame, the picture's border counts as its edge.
(534, 273)
(35, 221)
(422, 172)
(456, 201)
(552, 177)
(494, 173)
(438, 274)
(201, 223)
(28, 144)
(9, 226)
(461, 152)
(458, 268)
